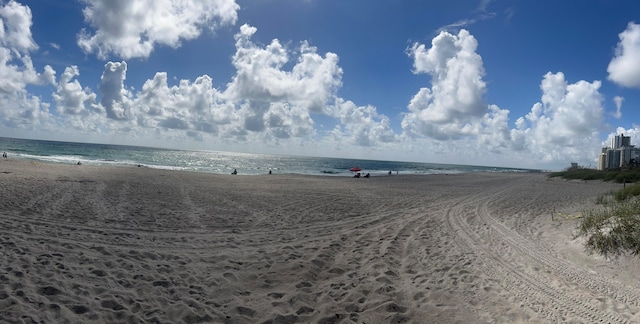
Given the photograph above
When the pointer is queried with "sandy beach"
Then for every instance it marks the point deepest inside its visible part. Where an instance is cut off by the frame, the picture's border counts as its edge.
(137, 245)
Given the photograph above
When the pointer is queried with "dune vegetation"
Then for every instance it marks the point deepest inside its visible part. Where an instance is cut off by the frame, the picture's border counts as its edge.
(613, 228)
(619, 176)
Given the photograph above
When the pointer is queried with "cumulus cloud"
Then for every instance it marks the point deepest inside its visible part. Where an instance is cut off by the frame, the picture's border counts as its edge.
(70, 97)
(77, 104)
(18, 108)
(564, 125)
(195, 106)
(132, 28)
(278, 101)
(362, 125)
(260, 75)
(280, 92)
(264, 101)
(566, 122)
(15, 29)
(115, 98)
(624, 68)
(454, 106)
(16, 42)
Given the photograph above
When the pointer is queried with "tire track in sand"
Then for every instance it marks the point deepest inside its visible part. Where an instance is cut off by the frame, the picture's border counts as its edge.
(538, 255)
(532, 289)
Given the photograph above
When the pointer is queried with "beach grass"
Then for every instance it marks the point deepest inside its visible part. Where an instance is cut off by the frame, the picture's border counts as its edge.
(613, 228)
(619, 176)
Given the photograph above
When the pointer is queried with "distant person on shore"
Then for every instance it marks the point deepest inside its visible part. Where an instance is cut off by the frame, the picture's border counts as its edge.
(4, 155)
(389, 172)
(269, 171)
(234, 171)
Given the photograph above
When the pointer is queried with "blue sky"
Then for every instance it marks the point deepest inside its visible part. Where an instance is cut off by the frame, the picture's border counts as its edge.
(534, 84)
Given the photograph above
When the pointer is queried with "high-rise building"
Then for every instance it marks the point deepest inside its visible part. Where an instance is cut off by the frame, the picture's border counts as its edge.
(613, 159)
(619, 141)
(620, 154)
(602, 161)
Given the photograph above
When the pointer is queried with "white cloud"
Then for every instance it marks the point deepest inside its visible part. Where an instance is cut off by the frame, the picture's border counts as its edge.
(286, 121)
(15, 72)
(195, 106)
(16, 67)
(70, 97)
(115, 98)
(494, 133)
(454, 106)
(633, 132)
(263, 102)
(276, 101)
(362, 125)
(624, 68)
(278, 96)
(565, 124)
(141, 24)
(618, 101)
(260, 76)
(19, 109)
(15, 29)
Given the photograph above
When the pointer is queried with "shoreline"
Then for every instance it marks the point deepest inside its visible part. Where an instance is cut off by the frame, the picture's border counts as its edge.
(217, 162)
(113, 244)
(17, 161)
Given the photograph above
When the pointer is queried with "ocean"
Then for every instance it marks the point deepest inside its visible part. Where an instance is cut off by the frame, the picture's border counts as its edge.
(219, 162)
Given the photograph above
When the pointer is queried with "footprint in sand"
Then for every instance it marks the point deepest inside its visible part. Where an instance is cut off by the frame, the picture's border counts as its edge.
(304, 310)
(304, 284)
(230, 276)
(246, 311)
(49, 291)
(79, 309)
(275, 295)
(395, 308)
(112, 304)
(99, 273)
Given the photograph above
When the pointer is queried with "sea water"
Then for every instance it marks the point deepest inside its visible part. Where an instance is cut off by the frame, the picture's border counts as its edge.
(218, 162)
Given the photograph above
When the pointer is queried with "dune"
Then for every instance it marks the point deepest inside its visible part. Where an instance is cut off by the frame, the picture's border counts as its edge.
(129, 245)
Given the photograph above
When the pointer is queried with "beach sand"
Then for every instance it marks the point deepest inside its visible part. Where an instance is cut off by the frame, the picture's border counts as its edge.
(126, 244)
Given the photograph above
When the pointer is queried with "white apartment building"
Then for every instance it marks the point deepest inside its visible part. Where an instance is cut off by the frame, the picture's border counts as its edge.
(620, 154)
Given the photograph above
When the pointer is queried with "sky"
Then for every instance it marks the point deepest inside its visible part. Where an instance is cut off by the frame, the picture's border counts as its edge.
(531, 84)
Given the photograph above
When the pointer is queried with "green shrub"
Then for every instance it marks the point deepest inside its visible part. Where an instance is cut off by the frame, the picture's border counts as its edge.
(619, 176)
(614, 228)
(628, 192)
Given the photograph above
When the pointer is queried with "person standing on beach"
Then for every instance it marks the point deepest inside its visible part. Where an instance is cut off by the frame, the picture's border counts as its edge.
(4, 155)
